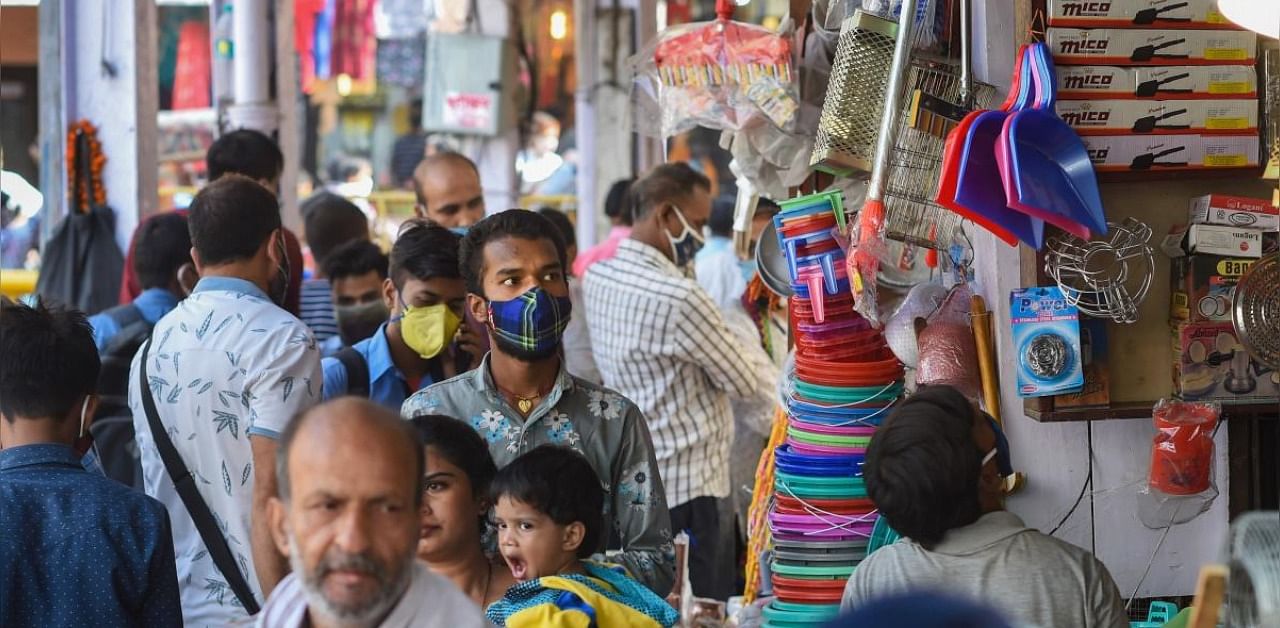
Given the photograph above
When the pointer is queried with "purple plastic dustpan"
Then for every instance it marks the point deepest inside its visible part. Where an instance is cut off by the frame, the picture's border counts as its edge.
(978, 185)
(1047, 164)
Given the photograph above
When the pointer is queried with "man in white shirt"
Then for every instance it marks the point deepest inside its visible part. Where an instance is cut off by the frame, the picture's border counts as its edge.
(661, 341)
(227, 368)
(934, 471)
(350, 474)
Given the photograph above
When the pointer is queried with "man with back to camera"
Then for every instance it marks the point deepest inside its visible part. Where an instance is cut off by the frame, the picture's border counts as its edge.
(351, 482)
(521, 396)
(225, 371)
(77, 549)
(329, 221)
(355, 272)
(249, 153)
(420, 344)
(934, 471)
(661, 341)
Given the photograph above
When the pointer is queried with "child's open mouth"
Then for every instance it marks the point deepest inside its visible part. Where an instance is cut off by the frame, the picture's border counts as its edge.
(519, 569)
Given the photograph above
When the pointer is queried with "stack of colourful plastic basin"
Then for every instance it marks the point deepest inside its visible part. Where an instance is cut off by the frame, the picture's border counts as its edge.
(845, 379)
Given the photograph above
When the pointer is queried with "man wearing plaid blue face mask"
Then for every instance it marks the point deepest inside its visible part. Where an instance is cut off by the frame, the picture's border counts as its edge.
(521, 396)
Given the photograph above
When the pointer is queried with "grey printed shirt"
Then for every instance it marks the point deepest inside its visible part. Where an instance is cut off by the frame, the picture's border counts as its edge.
(599, 423)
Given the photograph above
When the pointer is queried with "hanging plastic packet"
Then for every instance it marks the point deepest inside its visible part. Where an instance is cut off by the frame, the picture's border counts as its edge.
(948, 354)
(1046, 339)
(900, 331)
(1180, 482)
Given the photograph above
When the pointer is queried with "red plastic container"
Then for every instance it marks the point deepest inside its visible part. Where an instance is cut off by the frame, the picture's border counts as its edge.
(1182, 454)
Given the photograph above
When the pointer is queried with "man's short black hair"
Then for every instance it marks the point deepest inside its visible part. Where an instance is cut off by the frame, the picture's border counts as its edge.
(923, 467)
(560, 483)
(461, 446)
(51, 361)
(329, 221)
(617, 203)
(163, 245)
(665, 183)
(513, 223)
(721, 220)
(355, 259)
(231, 218)
(561, 222)
(245, 152)
(424, 251)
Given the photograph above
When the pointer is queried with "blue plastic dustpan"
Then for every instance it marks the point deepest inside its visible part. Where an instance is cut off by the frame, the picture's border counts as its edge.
(1054, 178)
(979, 188)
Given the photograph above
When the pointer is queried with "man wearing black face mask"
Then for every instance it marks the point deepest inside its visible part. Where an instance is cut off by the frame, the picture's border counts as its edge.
(355, 272)
(521, 396)
(659, 339)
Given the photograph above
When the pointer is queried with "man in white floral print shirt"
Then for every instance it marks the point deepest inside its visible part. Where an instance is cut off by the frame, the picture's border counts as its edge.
(521, 396)
(227, 369)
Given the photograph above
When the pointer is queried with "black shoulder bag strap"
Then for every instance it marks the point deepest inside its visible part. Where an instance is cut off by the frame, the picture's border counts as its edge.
(357, 371)
(185, 484)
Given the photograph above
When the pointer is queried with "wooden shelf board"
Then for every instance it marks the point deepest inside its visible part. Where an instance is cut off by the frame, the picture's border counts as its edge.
(1140, 410)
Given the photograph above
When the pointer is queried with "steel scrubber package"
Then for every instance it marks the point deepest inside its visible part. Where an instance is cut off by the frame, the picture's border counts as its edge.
(1046, 337)
(1130, 13)
(1113, 46)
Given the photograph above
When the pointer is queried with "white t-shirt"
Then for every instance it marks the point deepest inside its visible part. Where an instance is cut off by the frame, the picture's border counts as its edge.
(430, 602)
(226, 364)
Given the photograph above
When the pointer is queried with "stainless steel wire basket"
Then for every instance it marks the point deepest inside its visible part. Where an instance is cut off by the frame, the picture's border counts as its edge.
(855, 97)
(915, 165)
(1256, 311)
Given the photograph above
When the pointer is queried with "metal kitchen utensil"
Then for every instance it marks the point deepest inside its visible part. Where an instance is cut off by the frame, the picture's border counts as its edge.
(1147, 89)
(863, 258)
(1107, 278)
(1149, 16)
(915, 167)
(1145, 161)
(1148, 124)
(1256, 311)
(1147, 53)
(772, 264)
(855, 96)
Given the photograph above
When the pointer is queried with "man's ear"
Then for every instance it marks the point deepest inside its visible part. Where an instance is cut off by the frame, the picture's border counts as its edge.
(574, 534)
(90, 406)
(478, 307)
(390, 296)
(277, 520)
(195, 261)
(275, 253)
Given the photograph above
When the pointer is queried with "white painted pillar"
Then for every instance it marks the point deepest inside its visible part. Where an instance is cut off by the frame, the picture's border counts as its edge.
(495, 157)
(252, 61)
(104, 70)
(586, 60)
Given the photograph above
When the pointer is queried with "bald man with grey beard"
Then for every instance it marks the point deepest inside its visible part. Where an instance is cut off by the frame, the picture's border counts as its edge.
(350, 480)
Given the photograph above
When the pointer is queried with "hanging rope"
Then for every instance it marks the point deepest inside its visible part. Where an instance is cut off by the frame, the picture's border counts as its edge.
(758, 537)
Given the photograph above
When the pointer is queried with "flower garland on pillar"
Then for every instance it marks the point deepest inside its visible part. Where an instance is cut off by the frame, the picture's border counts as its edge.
(88, 192)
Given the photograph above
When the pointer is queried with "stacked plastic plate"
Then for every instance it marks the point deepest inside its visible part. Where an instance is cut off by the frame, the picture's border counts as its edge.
(845, 379)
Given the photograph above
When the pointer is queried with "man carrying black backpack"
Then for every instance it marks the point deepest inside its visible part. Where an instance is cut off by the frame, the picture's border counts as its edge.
(162, 262)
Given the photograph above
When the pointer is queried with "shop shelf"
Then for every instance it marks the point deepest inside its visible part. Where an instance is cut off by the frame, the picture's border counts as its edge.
(1046, 413)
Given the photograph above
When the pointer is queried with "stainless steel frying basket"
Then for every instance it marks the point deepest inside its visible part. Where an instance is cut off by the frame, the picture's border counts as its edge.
(855, 97)
(915, 165)
(1256, 311)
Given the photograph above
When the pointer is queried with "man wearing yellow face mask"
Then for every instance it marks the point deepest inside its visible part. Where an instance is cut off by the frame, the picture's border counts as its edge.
(425, 293)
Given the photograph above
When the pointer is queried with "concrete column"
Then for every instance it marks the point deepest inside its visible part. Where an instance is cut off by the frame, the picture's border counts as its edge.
(496, 156)
(586, 60)
(98, 62)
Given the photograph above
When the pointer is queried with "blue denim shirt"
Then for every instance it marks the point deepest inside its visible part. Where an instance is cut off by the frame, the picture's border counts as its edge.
(387, 385)
(153, 304)
(78, 549)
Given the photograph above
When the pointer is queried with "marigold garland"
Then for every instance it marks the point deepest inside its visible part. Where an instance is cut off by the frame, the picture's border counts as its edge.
(93, 188)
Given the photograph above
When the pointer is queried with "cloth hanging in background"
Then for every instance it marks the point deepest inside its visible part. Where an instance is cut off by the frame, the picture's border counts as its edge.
(192, 76)
(81, 263)
(306, 16)
(322, 42)
(399, 19)
(354, 41)
(402, 61)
